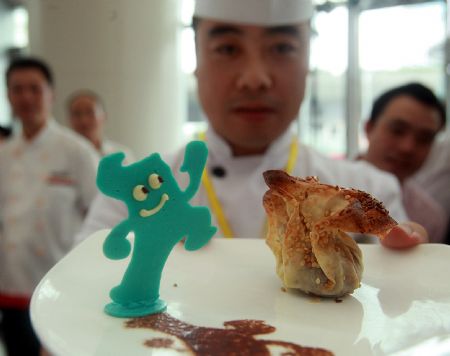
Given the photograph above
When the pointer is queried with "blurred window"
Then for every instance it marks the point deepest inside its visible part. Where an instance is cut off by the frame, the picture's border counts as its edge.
(322, 118)
(401, 44)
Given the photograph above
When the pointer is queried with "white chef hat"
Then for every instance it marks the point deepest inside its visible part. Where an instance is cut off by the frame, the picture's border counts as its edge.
(255, 12)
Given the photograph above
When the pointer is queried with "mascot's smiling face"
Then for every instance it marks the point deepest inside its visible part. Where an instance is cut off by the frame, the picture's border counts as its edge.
(147, 187)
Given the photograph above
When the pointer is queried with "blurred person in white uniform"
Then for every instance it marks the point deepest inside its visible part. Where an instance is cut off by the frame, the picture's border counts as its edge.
(252, 63)
(402, 126)
(434, 176)
(47, 182)
(87, 116)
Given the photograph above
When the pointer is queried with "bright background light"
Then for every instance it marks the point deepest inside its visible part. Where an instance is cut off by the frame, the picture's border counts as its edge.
(400, 36)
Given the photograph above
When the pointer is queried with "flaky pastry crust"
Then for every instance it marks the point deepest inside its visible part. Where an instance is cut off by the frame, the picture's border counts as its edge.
(307, 225)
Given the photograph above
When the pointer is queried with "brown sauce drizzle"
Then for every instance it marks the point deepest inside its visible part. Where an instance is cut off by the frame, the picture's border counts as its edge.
(236, 339)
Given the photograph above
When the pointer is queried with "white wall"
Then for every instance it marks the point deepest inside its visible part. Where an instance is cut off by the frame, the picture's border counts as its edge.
(127, 51)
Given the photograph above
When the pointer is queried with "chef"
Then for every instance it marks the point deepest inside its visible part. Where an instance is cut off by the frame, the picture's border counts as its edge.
(47, 182)
(252, 63)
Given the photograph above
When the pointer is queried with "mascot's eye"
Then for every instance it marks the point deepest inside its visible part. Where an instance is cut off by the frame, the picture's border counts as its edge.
(155, 181)
(140, 193)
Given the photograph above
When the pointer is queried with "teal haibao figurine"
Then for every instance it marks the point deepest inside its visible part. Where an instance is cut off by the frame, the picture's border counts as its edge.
(159, 214)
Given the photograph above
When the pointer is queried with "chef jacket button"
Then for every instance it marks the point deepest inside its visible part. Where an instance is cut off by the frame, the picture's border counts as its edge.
(218, 172)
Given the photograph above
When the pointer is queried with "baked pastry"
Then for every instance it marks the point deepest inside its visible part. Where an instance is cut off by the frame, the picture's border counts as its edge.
(307, 225)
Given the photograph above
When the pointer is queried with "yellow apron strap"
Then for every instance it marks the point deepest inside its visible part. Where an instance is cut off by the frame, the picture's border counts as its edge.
(214, 202)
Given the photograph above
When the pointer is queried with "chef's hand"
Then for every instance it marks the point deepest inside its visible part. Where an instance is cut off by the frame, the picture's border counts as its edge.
(405, 235)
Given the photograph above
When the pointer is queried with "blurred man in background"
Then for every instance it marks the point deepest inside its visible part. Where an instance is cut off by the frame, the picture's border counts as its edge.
(87, 116)
(401, 129)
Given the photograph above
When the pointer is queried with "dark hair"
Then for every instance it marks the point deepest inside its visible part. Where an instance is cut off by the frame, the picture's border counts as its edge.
(417, 91)
(30, 63)
(85, 92)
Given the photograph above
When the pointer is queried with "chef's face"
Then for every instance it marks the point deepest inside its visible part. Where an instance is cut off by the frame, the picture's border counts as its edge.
(251, 80)
(401, 137)
(86, 117)
(30, 96)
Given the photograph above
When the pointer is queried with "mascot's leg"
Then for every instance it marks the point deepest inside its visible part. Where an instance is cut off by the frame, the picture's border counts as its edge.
(138, 293)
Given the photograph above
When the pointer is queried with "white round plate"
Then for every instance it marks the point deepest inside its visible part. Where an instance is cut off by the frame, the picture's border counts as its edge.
(401, 308)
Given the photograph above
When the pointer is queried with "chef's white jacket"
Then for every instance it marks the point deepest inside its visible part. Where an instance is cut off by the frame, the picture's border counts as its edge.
(46, 187)
(241, 189)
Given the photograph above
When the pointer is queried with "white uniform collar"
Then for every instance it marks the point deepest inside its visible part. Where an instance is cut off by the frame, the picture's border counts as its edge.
(41, 136)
